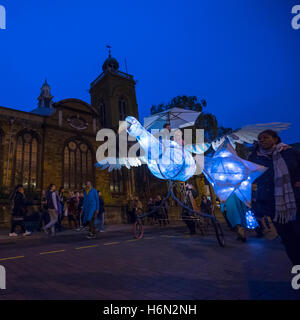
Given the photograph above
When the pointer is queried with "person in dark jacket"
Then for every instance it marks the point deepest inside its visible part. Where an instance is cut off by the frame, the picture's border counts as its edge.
(277, 194)
(52, 205)
(72, 214)
(150, 208)
(61, 208)
(187, 216)
(18, 212)
(44, 215)
(160, 211)
(206, 205)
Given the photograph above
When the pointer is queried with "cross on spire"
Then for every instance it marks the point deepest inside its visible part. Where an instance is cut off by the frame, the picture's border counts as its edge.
(109, 50)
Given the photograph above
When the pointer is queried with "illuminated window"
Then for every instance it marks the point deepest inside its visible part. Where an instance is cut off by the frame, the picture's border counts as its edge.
(27, 160)
(78, 165)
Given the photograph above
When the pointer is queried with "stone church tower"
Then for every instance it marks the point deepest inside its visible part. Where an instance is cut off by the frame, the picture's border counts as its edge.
(113, 94)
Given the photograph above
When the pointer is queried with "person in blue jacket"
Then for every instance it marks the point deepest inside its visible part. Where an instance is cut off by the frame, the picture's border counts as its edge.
(235, 210)
(90, 208)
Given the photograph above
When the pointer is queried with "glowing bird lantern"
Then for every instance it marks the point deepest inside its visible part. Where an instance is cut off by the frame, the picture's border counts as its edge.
(166, 159)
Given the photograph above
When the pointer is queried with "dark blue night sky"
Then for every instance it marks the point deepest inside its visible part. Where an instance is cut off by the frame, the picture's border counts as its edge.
(242, 56)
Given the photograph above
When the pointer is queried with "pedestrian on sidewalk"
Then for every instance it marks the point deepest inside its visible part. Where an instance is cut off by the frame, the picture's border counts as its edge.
(62, 206)
(150, 208)
(52, 205)
(130, 210)
(71, 205)
(90, 208)
(18, 212)
(44, 215)
(78, 208)
(277, 196)
(160, 211)
(190, 201)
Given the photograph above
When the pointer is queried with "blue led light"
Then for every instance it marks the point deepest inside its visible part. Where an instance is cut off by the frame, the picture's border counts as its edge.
(250, 220)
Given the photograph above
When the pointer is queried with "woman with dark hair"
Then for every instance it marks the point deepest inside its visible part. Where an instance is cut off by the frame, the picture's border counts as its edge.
(278, 190)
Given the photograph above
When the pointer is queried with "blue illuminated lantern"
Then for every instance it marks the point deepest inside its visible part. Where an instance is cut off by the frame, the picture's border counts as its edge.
(244, 191)
(250, 220)
(165, 159)
(228, 173)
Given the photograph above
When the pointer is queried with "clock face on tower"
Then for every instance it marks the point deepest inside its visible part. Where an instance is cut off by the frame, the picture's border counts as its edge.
(77, 123)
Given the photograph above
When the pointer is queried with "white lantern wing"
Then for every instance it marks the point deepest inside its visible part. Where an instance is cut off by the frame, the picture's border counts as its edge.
(199, 148)
(249, 133)
(111, 163)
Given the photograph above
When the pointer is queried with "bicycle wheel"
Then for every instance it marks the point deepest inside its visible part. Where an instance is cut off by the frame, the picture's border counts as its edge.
(138, 229)
(219, 233)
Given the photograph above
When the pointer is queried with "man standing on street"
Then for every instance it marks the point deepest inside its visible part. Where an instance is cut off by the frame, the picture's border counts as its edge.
(90, 208)
(52, 205)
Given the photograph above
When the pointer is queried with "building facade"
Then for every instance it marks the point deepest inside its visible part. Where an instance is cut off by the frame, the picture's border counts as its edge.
(56, 142)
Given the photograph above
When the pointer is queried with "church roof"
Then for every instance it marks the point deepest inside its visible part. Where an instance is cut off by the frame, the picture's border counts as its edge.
(45, 101)
(110, 64)
(42, 111)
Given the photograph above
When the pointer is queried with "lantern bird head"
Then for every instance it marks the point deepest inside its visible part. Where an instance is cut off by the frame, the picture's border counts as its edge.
(165, 159)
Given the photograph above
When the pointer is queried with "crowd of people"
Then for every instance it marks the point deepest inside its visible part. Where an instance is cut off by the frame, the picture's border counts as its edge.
(275, 199)
(275, 202)
(81, 209)
(156, 209)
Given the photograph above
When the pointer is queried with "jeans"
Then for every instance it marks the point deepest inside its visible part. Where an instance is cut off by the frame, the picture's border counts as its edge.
(53, 219)
(44, 217)
(101, 218)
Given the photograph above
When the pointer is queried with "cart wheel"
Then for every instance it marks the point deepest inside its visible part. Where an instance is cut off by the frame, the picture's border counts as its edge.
(138, 229)
(219, 233)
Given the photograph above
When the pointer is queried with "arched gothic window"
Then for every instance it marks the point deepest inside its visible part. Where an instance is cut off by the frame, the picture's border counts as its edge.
(122, 108)
(78, 165)
(26, 160)
(117, 182)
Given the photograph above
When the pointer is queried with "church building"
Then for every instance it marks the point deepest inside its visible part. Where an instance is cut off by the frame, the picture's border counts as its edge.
(56, 142)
